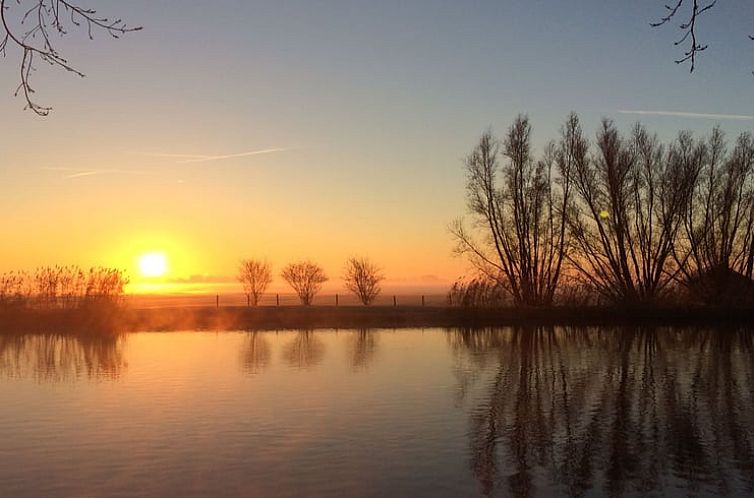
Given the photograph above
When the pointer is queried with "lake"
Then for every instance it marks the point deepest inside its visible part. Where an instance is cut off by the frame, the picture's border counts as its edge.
(407, 412)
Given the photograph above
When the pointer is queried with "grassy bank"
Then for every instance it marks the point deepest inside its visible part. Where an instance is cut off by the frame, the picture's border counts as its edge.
(297, 317)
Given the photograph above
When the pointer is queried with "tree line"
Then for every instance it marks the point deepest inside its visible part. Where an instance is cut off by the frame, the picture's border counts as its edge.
(65, 287)
(623, 218)
(362, 278)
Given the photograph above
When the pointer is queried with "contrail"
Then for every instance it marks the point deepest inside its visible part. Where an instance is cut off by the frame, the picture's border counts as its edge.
(202, 158)
(232, 156)
(175, 156)
(697, 115)
(80, 173)
(86, 173)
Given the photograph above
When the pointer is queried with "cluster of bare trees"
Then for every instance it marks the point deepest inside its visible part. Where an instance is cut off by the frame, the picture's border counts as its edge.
(65, 287)
(361, 277)
(635, 220)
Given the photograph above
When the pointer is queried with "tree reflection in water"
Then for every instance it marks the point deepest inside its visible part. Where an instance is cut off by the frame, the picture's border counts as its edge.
(304, 350)
(57, 358)
(255, 353)
(362, 347)
(612, 410)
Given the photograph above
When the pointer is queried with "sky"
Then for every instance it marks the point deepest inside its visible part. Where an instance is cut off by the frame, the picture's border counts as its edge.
(324, 129)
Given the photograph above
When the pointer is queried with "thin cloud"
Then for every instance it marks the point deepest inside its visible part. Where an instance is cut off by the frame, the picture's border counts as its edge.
(232, 156)
(694, 115)
(177, 156)
(80, 173)
(85, 173)
(202, 158)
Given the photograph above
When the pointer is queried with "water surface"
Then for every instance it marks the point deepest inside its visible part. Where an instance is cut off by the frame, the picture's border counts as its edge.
(497, 412)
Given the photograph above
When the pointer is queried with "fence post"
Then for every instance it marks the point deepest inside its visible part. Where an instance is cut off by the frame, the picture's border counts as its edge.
(395, 301)
(336, 299)
(422, 300)
(217, 300)
(277, 299)
(248, 301)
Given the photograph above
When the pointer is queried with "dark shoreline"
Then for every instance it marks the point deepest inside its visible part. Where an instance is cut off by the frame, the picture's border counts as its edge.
(355, 317)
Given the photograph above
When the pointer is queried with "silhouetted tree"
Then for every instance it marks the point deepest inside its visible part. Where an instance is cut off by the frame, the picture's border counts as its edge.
(362, 278)
(718, 223)
(631, 198)
(306, 278)
(520, 209)
(31, 25)
(255, 276)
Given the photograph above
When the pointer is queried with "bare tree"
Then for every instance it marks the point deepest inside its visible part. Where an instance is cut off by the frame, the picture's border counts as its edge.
(694, 10)
(31, 25)
(306, 278)
(631, 197)
(362, 278)
(520, 211)
(255, 276)
(718, 223)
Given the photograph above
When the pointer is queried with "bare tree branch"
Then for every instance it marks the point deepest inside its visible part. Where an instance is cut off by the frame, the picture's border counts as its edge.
(29, 26)
(688, 28)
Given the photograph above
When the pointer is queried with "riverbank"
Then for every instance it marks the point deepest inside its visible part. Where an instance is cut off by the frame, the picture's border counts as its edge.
(117, 320)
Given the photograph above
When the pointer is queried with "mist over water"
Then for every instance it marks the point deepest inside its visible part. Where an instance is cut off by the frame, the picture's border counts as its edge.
(507, 411)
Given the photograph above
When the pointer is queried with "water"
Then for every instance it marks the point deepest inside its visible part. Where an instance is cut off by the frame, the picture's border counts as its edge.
(567, 411)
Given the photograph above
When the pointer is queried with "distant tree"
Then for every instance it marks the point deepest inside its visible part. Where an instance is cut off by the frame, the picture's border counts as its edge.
(363, 278)
(31, 25)
(306, 278)
(692, 10)
(255, 276)
(520, 210)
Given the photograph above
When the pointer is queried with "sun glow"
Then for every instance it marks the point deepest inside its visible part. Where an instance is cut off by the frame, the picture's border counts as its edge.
(153, 264)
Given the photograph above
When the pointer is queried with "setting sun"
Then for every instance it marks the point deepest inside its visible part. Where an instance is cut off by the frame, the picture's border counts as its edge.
(153, 264)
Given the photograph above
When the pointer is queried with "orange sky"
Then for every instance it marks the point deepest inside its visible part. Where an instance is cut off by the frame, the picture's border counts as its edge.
(204, 226)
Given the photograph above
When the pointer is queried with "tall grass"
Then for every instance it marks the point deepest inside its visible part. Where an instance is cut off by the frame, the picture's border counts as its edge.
(62, 287)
